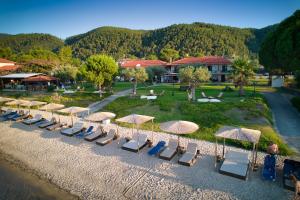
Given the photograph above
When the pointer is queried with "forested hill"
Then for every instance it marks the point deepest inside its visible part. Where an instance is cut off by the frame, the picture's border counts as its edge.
(189, 39)
(25, 42)
(118, 42)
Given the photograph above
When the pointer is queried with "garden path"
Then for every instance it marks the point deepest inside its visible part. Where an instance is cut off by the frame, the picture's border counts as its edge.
(286, 118)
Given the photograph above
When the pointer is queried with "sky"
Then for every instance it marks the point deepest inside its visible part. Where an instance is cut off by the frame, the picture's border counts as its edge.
(64, 18)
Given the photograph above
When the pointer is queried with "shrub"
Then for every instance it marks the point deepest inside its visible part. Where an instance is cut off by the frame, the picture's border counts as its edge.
(296, 102)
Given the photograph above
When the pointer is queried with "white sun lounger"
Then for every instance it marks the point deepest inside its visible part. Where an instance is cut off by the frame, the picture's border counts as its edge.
(33, 120)
(48, 123)
(169, 152)
(189, 157)
(111, 135)
(96, 135)
(236, 164)
(138, 142)
(77, 127)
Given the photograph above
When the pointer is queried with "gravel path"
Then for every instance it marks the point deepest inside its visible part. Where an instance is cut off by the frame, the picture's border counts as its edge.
(100, 104)
(94, 172)
(287, 118)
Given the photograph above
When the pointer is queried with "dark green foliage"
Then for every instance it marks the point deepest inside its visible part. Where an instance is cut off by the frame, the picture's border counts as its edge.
(26, 42)
(296, 102)
(117, 42)
(280, 51)
(189, 39)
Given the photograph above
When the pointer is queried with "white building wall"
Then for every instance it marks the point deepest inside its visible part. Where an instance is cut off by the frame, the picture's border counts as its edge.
(6, 64)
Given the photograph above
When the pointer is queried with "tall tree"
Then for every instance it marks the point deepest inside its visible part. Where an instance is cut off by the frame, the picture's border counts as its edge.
(65, 54)
(280, 51)
(100, 69)
(66, 73)
(169, 54)
(194, 76)
(242, 71)
(135, 75)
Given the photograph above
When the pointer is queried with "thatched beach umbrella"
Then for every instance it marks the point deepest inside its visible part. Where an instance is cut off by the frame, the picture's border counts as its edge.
(4, 99)
(241, 134)
(100, 116)
(16, 103)
(179, 127)
(51, 107)
(73, 110)
(32, 104)
(137, 120)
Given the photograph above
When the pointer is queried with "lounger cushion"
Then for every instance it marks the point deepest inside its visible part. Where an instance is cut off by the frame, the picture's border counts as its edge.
(97, 134)
(136, 143)
(235, 156)
(110, 136)
(33, 120)
(234, 168)
(187, 158)
(168, 152)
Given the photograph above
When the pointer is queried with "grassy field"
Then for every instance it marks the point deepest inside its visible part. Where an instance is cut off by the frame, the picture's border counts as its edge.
(82, 99)
(250, 111)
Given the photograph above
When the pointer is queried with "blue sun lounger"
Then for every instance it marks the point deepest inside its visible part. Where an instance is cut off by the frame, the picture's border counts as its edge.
(156, 149)
(82, 134)
(269, 169)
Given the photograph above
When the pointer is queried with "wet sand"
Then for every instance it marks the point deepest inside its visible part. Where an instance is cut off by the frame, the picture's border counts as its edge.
(17, 183)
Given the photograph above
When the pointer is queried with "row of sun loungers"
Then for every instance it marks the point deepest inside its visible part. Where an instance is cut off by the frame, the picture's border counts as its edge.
(102, 138)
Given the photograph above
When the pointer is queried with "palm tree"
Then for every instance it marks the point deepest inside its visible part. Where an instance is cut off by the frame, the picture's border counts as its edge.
(241, 73)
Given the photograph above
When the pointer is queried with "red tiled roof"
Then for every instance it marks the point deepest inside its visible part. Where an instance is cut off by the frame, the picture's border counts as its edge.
(9, 68)
(217, 60)
(142, 63)
(2, 60)
(40, 78)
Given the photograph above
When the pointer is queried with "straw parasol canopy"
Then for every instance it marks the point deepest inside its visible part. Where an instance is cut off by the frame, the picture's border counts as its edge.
(4, 99)
(179, 127)
(16, 102)
(242, 134)
(33, 103)
(135, 119)
(73, 110)
(52, 106)
(100, 116)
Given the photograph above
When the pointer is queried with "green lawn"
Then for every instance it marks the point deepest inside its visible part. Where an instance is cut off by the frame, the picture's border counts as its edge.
(250, 111)
(82, 99)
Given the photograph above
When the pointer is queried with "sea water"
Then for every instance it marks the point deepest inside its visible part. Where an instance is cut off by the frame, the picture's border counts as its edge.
(16, 184)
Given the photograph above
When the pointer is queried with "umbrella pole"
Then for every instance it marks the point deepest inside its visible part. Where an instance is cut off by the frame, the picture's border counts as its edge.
(216, 152)
(223, 148)
(137, 130)
(152, 133)
(253, 156)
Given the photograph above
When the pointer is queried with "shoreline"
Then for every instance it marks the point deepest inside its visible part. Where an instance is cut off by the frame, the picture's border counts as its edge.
(28, 175)
(90, 171)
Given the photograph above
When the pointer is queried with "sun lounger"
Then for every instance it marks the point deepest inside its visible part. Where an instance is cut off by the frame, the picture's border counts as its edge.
(203, 95)
(269, 169)
(47, 123)
(56, 126)
(138, 142)
(111, 135)
(8, 112)
(157, 148)
(189, 157)
(21, 117)
(96, 135)
(220, 95)
(86, 132)
(169, 152)
(36, 119)
(77, 127)
(236, 164)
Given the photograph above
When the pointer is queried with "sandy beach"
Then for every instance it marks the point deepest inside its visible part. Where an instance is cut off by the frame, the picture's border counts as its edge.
(95, 172)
